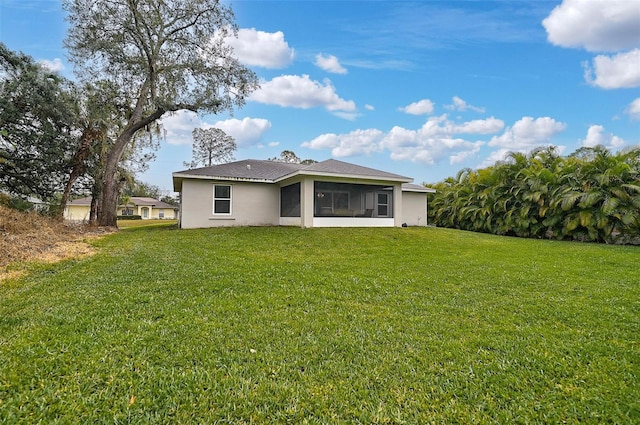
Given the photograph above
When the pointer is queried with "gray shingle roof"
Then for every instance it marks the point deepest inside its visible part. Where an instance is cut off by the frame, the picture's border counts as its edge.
(81, 201)
(249, 169)
(151, 202)
(333, 166)
(271, 171)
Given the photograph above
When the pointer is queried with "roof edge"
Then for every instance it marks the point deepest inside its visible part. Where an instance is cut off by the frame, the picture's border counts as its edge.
(179, 174)
(304, 172)
(425, 190)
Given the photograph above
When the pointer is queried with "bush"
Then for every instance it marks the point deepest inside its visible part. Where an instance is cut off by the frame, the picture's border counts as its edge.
(129, 217)
(16, 203)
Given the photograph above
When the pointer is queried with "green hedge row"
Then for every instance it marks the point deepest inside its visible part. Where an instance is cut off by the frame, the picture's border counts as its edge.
(129, 217)
(590, 195)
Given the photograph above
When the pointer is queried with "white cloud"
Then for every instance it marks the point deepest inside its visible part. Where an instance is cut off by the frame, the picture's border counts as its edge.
(422, 107)
(495, 156)
(358, 142)
(247, 131)
(369, 107)
(259, 48)
(432, 151)
(528, 133)
(55, 65)
(596, 25)
(460, 105)
(433, 127)
(431, 143)
(400, 137)
(487, 126)
(634, 109)
(596, 136)
(614, 72)
(601, 26)
(351, 116)
(324, 141)
(442, 126)
(462, 156)
(178, 126)
(330, 63)
(301, 92)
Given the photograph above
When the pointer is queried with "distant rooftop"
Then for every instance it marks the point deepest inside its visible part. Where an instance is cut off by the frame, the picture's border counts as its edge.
(135, 200)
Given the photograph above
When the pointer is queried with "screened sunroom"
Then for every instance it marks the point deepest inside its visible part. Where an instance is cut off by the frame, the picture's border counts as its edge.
(334, 202)
(352, 200)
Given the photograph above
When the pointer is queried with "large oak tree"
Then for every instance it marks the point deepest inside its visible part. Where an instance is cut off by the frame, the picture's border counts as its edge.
(164, 55)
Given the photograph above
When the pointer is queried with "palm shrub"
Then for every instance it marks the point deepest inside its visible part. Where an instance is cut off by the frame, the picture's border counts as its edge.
(601, 195)
(590, 195)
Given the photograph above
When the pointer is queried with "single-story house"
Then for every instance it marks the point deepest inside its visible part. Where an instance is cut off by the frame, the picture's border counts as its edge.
(330, 193)
(147, 208)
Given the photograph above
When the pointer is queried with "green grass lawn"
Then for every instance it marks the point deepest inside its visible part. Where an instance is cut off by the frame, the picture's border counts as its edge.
(289, 325)
(127, 224)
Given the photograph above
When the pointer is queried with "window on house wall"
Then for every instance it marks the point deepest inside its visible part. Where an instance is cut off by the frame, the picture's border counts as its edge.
(161, 214)
(383, 204)
(222, 199)
(290, 200)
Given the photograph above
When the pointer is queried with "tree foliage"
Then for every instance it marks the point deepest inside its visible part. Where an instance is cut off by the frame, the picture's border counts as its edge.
(138, 188)
(591, 195)
(37, 127)
(100, 118)
(291, 158)
(211, 146)
(162, 56)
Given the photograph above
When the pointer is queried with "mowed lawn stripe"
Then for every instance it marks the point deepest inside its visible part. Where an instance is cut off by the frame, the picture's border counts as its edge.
(289, 325)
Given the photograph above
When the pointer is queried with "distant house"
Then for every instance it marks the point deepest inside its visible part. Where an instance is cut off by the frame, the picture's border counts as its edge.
(147, 208)
(330, 193)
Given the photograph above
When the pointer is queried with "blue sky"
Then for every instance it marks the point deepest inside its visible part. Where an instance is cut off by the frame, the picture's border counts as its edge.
(421, 89)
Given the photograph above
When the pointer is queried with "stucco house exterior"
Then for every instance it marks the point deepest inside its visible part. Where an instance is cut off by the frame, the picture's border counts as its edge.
(330, 193)
(147, 208)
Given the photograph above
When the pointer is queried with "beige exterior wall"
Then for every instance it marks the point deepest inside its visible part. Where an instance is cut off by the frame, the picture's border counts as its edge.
(353, 222)
(252, 204)
(306, 199)
(153, 213)
(398, 206)
(414, 208)
(77, 212)
(81, 212)
(169, 213)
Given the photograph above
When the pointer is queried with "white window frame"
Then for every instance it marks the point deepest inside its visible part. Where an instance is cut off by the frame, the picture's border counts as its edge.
(230, 199)
(388, 204)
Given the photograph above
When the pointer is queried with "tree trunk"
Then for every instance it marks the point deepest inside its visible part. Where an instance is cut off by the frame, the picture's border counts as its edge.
(108, 205)
(96, 193)
(107, 208)
(93, 212)
(78, 165)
